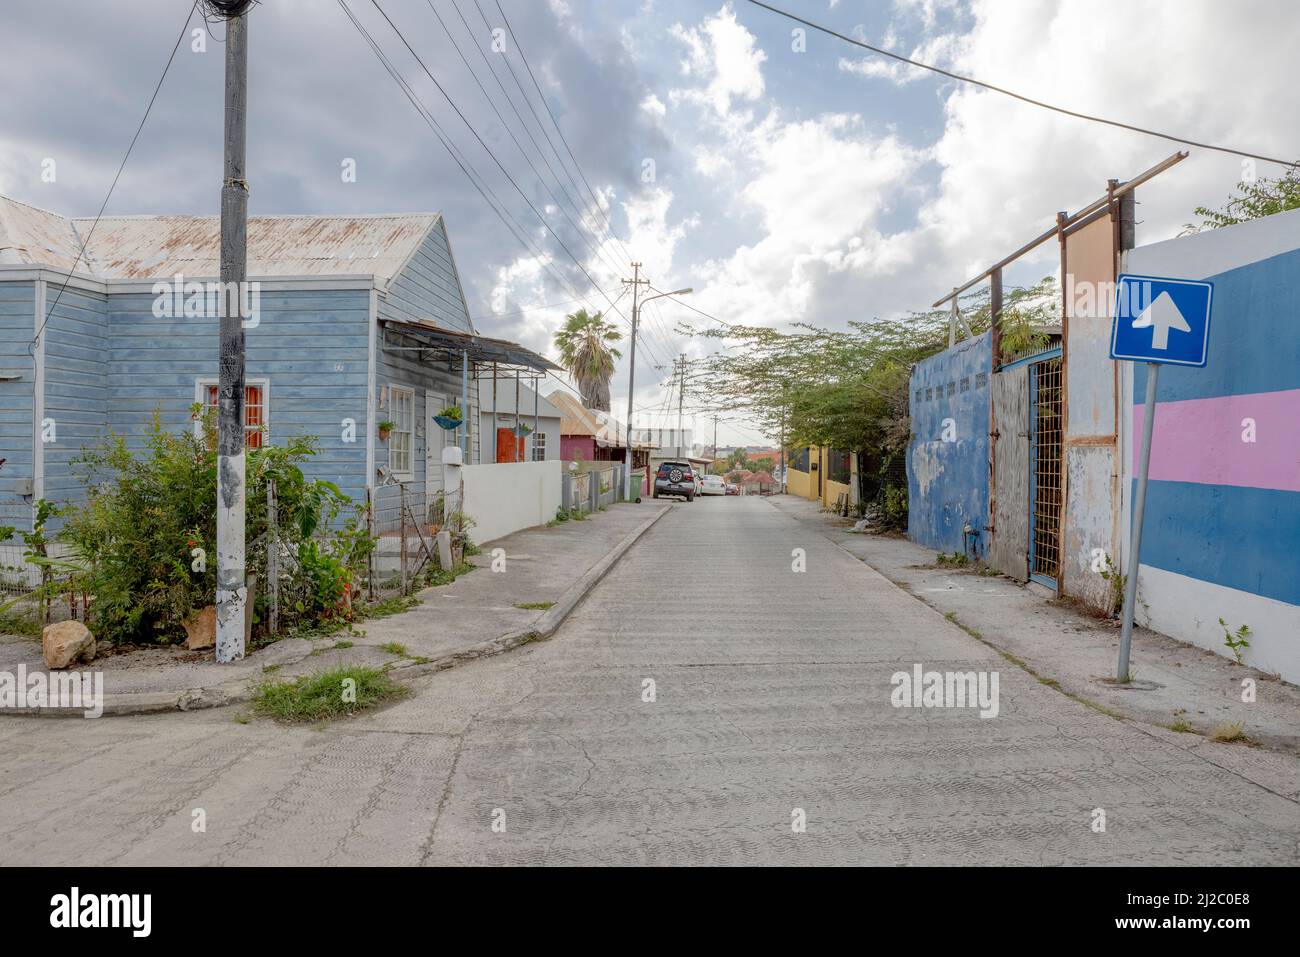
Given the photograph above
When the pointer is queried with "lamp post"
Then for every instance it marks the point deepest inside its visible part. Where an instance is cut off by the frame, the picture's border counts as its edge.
(637, 303)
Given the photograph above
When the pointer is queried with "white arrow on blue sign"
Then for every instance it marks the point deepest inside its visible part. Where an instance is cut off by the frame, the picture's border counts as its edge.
(1162, 320)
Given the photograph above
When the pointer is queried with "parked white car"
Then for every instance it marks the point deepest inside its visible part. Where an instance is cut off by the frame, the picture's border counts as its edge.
(713, 485)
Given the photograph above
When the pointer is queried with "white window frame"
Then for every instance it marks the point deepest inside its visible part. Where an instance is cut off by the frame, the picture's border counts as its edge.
(539, 445)
(201, 387)
(394, 390)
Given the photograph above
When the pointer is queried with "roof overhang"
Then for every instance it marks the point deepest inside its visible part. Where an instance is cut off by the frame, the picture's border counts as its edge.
(444, 343)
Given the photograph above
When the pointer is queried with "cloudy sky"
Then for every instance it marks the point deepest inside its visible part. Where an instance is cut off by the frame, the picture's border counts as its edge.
(784, 179)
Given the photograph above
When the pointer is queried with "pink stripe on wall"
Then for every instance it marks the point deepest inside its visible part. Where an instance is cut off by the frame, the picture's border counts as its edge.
(1200, 440)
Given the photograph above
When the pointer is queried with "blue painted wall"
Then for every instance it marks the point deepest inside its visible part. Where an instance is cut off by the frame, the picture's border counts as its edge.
(428, 287)
(77, 358)
(17, 325)
(948, 481)
(1239, 537)
(111, 363)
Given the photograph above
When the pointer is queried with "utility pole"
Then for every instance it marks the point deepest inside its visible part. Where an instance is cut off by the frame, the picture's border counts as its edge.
(715, 436)
(636, 281)
(232, 590)
(681, 395)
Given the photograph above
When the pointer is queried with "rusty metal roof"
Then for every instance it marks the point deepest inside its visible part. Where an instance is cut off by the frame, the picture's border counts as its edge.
(148, 247)
(30, 236)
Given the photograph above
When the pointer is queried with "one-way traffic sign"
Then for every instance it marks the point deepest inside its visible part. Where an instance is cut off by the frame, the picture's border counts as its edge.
(1161, 320)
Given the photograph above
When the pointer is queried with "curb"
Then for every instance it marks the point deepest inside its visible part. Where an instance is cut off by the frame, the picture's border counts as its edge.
(237, 692)
(546, 624)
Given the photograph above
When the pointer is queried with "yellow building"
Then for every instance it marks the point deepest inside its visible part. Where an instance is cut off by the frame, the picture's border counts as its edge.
(822, 474)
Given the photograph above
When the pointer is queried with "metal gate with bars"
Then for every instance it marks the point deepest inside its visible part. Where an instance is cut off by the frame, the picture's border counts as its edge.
(1046, 486)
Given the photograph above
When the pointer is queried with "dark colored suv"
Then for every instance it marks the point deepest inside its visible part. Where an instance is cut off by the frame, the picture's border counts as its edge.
(675, 478)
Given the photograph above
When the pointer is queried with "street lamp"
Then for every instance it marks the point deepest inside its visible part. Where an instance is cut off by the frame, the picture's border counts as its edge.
(631, 372)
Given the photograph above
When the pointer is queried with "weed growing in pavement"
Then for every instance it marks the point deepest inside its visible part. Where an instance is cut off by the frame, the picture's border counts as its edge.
(437, 577)
(327, 694)
(1235, 640)
(1180, 726)
(1229, 731)
(534, 605)
(955, 560)
(394, 648)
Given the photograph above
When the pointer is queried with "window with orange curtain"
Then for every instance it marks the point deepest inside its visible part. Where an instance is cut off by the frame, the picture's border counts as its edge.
(255, 410)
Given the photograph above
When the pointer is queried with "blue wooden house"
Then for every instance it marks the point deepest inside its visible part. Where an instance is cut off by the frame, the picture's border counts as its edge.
(351, 321)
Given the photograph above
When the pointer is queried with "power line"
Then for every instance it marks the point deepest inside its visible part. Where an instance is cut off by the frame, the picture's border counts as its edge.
(592, 247)
(1019, 96)
(609, 227)
(464, 119)
(511, 224)
(121, 166)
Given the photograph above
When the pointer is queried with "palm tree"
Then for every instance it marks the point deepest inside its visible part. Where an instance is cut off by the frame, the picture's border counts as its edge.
(585, 351)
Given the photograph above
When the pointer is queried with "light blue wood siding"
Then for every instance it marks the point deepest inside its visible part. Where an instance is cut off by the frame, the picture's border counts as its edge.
(405, 369)
(17, 324)
(76, 384)
(428, 287)
(311, 345)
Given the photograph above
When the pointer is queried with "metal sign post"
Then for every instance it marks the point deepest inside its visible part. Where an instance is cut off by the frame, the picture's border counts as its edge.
(1139, 507)
(1147, 310)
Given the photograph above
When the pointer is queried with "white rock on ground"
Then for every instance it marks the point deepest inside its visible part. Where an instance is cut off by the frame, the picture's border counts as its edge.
(66, 642)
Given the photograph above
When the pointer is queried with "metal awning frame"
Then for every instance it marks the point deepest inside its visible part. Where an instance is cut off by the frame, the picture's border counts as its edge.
(434, 345)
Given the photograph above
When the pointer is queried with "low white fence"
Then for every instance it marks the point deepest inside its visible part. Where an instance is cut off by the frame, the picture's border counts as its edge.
(505, 497)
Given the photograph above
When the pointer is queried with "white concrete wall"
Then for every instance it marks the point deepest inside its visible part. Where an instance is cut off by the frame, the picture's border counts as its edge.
(507, 497)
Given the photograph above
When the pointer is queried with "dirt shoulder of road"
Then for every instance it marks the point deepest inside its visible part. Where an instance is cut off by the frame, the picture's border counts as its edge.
(1182, 694)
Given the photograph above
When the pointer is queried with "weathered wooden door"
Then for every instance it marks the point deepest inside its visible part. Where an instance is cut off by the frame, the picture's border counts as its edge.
(1009, 539)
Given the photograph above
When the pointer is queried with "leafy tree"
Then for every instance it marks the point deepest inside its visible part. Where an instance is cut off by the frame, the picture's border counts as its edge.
(848, 389)
(1254, 200)
(584, 343)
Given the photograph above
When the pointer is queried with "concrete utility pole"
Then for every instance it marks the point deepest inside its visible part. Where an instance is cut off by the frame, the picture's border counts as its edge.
(232, 591)
(631, 380)
(681, 396)
(637, 282)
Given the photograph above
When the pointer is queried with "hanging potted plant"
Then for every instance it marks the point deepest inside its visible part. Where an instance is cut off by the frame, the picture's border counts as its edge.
(449, 418)
(385, 430)
(522, 430)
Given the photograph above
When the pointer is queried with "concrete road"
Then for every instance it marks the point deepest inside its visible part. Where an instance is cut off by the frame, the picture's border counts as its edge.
(772, 708)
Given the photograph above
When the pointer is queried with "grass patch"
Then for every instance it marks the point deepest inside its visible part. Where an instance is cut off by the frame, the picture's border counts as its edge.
(389, 606)
(955, 560)
(534, 605)
(394, 648)
(1180, 726)
(1228, 731)
(271, 669)
(327, 694)
(436, 577)
(345, 643)
(27, 625)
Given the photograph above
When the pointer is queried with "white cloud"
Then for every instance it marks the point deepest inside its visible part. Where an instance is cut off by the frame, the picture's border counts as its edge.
(654, 106)
(722, 53)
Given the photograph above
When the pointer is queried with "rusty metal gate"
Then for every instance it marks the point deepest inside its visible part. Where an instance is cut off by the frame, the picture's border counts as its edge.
(1046, 466)
(1009, 509)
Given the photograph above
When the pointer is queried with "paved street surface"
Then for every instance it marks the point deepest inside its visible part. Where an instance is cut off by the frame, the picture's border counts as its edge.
(772, 694)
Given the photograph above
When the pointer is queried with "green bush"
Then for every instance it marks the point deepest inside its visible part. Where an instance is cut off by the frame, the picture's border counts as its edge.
(145, 538)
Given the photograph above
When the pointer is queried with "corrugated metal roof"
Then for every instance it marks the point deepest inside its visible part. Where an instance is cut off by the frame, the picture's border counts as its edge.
(149, 247)
(577, 419)
(30, 236)
(479, 348)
